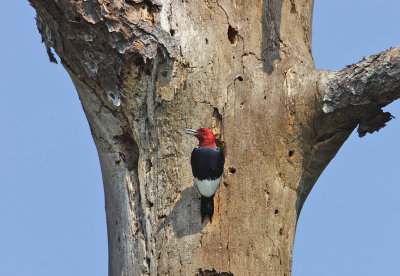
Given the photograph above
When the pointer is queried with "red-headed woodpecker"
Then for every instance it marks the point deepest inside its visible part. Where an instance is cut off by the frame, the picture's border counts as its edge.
(207, 166)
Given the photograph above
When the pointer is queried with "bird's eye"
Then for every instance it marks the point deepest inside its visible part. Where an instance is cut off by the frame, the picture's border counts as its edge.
(203, 130)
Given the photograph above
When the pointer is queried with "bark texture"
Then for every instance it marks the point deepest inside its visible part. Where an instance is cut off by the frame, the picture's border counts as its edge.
(146, 69)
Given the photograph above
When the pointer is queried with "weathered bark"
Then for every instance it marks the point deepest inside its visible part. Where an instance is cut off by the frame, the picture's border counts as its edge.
(145, 70)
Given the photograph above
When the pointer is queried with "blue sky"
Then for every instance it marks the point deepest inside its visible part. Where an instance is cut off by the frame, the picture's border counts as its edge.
(51, 195)
(349, 224)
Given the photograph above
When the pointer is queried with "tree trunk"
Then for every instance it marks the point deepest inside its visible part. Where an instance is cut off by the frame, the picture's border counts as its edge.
(146, 69)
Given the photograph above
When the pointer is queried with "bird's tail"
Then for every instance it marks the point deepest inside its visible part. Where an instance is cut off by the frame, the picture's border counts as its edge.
(207, 207)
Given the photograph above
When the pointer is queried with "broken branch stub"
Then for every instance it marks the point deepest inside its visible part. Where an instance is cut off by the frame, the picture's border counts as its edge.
(362, 89)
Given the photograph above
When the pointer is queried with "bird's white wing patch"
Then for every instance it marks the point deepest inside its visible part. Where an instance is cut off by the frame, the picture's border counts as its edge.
(207, 187)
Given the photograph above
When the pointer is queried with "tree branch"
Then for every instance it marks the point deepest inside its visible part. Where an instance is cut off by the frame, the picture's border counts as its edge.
(348, 98)
(362, 89)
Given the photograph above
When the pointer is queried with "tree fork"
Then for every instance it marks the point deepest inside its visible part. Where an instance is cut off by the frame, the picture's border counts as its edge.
(146, 69)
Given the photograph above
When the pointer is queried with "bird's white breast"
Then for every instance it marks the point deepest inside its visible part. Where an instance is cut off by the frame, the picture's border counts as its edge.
(207, 187)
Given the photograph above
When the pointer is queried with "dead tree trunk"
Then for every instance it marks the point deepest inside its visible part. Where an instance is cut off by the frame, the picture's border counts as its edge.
(146, 69)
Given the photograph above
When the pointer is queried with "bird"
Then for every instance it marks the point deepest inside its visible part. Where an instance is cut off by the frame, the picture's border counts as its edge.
(207, 161)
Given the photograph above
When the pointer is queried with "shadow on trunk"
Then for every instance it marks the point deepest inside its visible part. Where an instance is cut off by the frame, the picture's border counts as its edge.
(185, 216)
(270, 34)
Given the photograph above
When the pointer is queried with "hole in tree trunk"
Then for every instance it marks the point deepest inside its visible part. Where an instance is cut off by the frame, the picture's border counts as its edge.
(139, 61)
(213, 272)
(232, 34)
(129, 153)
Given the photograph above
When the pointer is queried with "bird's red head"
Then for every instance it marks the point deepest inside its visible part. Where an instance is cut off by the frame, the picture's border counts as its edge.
(205, 136)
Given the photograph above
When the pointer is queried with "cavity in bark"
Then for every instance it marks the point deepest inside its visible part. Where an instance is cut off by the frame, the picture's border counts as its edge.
(212, 272)
(129, 150)
(232, 34)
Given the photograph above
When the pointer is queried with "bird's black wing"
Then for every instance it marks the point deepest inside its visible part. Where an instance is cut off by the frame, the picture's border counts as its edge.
(207, 163)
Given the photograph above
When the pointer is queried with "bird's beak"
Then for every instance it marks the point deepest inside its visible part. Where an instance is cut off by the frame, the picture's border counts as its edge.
(191, 132)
